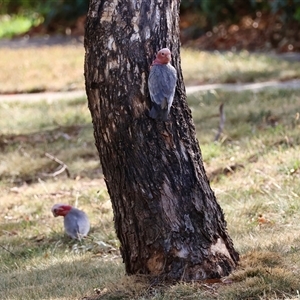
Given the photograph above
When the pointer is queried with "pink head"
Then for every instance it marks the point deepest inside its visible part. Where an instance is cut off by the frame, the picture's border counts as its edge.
(163, 57)
(60, 209)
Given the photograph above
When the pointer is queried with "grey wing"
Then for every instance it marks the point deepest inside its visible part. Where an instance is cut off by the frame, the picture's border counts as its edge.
(71, 226)
(162, 83)
(76, 224)
(83, 224)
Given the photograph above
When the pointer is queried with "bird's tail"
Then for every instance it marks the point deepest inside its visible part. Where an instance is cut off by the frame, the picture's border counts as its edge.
(158, 113)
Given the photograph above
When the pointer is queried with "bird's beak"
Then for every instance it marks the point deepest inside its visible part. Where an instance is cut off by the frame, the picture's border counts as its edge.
(54, 213)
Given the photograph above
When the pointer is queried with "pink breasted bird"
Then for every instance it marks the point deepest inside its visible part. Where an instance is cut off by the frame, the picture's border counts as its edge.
(76, 222)
(162, 83)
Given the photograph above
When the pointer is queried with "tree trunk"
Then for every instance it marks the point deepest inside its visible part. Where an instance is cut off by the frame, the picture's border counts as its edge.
(166, 215)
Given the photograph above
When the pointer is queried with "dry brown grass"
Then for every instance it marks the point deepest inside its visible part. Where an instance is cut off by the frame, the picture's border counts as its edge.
(51, 68)
(60, 68)
(227, 67)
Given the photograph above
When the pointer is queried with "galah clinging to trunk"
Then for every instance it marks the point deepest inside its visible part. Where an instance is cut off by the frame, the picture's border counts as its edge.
(76, 222)
(162, 83)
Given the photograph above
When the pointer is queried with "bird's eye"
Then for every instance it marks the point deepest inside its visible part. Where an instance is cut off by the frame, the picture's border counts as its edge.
(162, 54)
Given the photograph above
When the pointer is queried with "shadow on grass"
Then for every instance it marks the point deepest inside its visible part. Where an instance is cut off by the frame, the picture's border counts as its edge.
(17, 249)
(69, 133)
(59, 276)
(26, 154)
(261, 275)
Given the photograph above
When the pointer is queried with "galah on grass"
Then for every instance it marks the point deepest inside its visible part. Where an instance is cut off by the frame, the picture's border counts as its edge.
(76, 222)
(162, 83)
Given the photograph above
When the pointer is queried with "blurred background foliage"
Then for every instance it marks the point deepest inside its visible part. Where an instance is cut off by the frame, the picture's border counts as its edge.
(48, 9)
(276, 21)
(232, 10)
(48, 15)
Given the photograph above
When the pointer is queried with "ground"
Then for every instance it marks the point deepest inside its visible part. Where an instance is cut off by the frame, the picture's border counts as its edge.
(254, 170)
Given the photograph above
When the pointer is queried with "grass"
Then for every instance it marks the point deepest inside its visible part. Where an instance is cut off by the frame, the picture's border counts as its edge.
(60, 68)
(260, 199)
(228, 67)
(57, 68)
(254, 170)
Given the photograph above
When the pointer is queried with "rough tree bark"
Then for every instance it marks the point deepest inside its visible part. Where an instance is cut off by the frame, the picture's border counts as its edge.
(166, 215)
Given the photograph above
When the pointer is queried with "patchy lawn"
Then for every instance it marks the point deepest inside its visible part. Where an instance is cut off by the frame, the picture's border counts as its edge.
(254, 170)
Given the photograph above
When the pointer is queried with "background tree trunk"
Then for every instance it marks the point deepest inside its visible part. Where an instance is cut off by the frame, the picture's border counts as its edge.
(166, 215)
